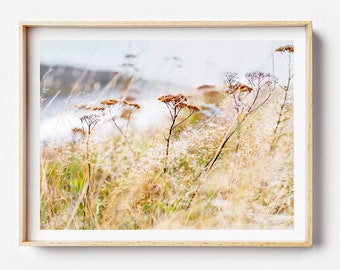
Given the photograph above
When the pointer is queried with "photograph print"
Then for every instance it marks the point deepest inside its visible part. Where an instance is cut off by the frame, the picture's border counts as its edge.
(167, 134)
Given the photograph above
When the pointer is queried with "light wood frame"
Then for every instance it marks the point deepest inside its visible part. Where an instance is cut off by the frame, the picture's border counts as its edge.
(23, 89)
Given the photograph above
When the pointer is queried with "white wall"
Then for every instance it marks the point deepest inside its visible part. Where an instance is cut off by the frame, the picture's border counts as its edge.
(324, 254)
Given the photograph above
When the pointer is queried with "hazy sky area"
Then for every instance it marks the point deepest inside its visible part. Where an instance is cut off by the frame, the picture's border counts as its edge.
(184, 62)
(172, 66)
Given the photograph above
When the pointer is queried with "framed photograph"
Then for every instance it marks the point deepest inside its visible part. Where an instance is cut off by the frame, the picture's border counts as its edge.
(166, 133)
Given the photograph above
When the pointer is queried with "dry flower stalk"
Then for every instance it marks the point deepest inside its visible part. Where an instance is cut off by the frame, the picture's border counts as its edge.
(239, 93)
(289, 50)
(126, 113)
(174, 104)
(88, 123)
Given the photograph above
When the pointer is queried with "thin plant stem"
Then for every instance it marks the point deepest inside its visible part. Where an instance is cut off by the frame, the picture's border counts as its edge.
(175, 104)
(88, 123)
(124, 134)
(255, 79)
(226, 138)
(171, 129)
(285, 88)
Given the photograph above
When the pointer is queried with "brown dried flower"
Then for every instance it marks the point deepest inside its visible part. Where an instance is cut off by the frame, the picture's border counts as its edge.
(166, 98)
(131, 104)
(243, 88)
(109, 102)
(182, 105)
(287, 48)
(206, 87)
(239, 87)
(193, 108)
(130, 98)
(80, 106)
(175, 104)
(135, 105)
(77, 131)
(174, 100)
(98, 108)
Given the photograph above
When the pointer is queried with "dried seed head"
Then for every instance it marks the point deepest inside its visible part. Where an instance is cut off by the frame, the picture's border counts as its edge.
(182, 105)
(193, 108)
(90, 119)
(231, 78)
(98, 108)
(80, 106)
(271, 79)
(174, 100)
(130, 98)
(287, 48)
(131, 104)
(135, 105)
(243, 88)
(77, 131)
(166, 98)
(239, 87)
(206, 87)
(255, 75)
(109, 102)
(180, 98)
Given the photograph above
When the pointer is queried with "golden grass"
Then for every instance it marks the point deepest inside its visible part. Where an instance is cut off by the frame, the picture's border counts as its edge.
(250, 186)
